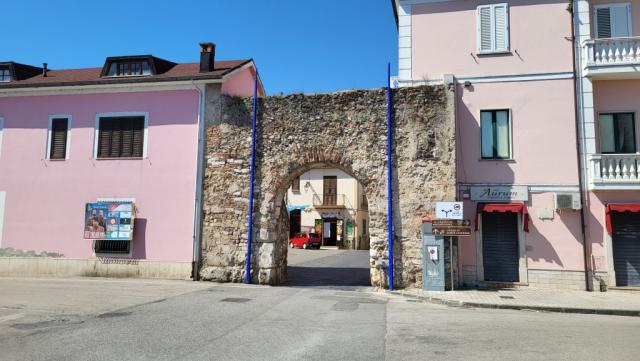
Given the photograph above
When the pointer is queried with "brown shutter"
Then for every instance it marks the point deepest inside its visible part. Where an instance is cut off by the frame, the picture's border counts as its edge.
(58, 144)
(121, 137)
(138, 137)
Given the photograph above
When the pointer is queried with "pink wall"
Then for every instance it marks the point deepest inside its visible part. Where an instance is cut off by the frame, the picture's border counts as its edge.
(45, 199)
(635, 14)
(551, 244)
(543, 126)
(596, 230)
(240, 84)
(616, 96)
(444, 40)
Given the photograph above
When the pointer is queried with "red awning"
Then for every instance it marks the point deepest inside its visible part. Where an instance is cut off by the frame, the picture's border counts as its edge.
(504, 207)
(619, 207)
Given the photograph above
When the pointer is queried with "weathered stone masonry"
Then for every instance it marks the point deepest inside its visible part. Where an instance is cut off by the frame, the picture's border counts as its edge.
(345, 130)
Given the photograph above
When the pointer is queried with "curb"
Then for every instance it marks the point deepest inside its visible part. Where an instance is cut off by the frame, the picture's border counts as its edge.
(557, 309)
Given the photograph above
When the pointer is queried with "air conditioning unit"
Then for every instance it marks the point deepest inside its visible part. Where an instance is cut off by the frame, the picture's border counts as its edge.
(568, 201)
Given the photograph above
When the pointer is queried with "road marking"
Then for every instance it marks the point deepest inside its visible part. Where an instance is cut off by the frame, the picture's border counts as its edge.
(15, 316)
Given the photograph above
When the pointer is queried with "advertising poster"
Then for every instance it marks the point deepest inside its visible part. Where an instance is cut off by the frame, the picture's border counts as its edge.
(109, 221)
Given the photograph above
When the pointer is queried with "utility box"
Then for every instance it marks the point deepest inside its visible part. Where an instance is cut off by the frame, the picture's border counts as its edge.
(433, 259)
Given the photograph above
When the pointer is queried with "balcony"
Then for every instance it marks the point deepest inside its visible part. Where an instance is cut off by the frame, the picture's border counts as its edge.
(330, 201)
(615, 58)
(614, 171)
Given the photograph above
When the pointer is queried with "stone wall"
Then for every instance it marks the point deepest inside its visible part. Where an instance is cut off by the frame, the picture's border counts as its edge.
(345, 130)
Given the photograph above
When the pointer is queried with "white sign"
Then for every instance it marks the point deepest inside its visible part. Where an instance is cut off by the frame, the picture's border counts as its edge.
(433, 252)
(448, 210)
(499, 193)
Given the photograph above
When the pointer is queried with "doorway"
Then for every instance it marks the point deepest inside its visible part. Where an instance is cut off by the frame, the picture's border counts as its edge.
(294, 222)
(329, 232)
(500, 246)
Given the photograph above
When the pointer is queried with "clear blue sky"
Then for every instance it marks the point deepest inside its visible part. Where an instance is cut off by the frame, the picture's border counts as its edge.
(298, 45)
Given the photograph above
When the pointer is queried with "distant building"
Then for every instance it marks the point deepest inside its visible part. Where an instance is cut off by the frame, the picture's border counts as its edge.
(332, 203)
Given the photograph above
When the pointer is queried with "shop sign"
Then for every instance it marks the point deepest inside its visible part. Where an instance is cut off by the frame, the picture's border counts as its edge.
(499, 193)
(448, 210)
(109, 221)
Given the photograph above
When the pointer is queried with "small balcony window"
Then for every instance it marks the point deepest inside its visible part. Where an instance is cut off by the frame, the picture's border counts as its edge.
(138, 68)
(612, 20)
(617, 133)
(5, 75)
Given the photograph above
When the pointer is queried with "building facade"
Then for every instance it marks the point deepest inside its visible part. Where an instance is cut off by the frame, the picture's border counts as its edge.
(517, 154)
(608, 55)
(130, 131)
(331, 203)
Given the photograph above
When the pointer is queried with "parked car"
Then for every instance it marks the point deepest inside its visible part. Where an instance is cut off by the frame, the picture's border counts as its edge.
(305, 240)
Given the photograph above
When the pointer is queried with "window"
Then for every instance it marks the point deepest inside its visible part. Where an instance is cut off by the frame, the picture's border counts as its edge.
(58, 142)
(493, 28)
(295, 186)
(5, 75)
(116, 247)
(496, 134)
(617, 133)
(612, 20)
(121, 137)
(364, 227)
(129, 68)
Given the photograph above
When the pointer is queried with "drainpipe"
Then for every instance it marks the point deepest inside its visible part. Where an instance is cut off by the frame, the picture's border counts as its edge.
(247, 276)
(197, 219)
(389, 178)
(581, 182)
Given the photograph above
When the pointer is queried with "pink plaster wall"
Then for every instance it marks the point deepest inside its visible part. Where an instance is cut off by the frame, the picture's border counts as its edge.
(552, 244)
(240, 84)
(616, 96)
(444, 40)
(45, 199)
(635, 14)
(543, 127)
(595, 218)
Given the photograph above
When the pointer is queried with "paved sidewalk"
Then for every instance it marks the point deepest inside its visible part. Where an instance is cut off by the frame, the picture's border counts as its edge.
(616, 302)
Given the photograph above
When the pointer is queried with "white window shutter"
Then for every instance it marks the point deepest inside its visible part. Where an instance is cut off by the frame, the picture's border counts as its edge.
(485, 36)
(502, 27)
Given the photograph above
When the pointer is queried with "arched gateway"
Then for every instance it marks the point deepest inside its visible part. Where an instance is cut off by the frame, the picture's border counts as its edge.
(345, 130)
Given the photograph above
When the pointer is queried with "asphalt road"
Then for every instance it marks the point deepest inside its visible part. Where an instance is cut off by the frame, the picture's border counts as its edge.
(312, 318)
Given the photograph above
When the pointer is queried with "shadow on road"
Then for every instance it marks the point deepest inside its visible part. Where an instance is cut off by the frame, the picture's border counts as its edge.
(327, 276)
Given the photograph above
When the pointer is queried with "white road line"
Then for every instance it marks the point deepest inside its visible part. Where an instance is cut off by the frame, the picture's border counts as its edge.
(15, 316)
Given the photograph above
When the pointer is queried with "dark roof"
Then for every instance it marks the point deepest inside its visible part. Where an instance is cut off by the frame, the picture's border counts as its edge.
(394, 5)
(91, 76)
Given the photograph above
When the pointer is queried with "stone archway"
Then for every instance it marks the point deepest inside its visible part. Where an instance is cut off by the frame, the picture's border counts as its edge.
(346, 130)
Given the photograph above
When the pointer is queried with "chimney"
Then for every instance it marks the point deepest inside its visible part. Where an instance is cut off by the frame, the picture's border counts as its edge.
(207, 57)
(44, 69)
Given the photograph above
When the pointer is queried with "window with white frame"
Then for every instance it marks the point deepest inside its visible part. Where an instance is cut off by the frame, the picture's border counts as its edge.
(493, 28)
(5, 75)
(496, 134)
(59, 138)
(612, 20)
(121, 136)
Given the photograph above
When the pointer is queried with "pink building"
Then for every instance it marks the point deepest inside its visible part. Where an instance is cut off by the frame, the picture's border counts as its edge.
(608, 60)
(128, 131)
(511, 64)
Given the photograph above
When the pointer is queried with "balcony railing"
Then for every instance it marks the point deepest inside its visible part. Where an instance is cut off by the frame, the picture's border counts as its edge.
(612, 56)
(330, 201)
(615, 171)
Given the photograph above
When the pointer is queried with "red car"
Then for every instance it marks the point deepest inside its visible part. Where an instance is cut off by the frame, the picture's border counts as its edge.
(305, 240)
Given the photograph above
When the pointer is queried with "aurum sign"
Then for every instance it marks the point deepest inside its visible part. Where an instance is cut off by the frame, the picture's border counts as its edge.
(499, 193)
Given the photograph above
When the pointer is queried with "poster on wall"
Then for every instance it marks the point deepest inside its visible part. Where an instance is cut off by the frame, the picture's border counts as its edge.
(349, 228)
(318, 226)
(111, 221)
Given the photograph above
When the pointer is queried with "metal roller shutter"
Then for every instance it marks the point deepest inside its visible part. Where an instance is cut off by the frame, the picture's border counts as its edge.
(626, 248)
(500, 246)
